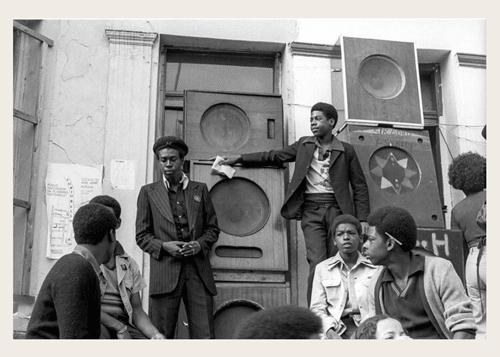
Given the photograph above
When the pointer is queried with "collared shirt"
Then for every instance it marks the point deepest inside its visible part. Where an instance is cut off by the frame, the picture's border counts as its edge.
(406, 304)
(178, 206)
(128, 278)
(184, 181)
(338, 292)
(318, 175)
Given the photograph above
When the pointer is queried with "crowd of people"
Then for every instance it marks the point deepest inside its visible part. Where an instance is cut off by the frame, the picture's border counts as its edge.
(367, 279)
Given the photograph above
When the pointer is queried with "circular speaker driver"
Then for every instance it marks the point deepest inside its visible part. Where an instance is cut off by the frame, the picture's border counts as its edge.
(381, 77)
(242, 206)
(225, 127)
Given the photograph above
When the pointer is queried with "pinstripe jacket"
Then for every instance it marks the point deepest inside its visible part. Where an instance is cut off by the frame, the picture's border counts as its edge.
(155, 225)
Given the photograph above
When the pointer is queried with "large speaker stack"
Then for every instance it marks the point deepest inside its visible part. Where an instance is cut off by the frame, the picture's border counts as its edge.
(250, 259)
(384, 122)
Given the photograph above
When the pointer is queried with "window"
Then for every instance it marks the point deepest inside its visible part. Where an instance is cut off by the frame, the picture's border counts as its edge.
(29, 51)
(230, 72)
(223, 71)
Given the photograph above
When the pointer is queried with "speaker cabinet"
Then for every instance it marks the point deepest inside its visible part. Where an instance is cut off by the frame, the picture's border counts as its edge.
(381, 82)
(228, 123)
(250, 298)
(444, 243)
(236, 301)
(253, 233)
(399, 169)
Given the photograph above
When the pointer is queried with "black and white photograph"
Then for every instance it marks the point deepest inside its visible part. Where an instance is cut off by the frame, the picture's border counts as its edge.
(250, 178)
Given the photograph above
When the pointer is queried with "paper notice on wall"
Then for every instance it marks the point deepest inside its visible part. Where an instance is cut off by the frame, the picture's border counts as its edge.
(122, 175)
(67, 187)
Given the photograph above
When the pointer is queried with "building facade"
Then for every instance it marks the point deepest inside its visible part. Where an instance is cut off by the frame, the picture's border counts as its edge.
(99, 92)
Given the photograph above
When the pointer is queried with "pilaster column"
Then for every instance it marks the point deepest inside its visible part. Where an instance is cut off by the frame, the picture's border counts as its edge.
(131, 112)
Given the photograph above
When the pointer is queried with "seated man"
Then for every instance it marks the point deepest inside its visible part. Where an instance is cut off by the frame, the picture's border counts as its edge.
(424, 292)
(122, 315)
(381, 327)
(283, 322)
(340, 285)
(69, 302)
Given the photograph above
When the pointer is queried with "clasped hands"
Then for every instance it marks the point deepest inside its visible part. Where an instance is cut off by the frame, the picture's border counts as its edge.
(180, 249)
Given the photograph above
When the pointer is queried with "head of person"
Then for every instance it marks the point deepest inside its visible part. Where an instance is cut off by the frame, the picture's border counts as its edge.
(95, 224)
(346, 233)
(467, 172)
(391, 230)
(323, 119)
(170, 152)
(283, 322)
(381, 327)
(111, 203)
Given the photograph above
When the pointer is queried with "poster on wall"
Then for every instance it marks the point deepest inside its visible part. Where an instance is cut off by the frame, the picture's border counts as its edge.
(122, 176)
(67, 187)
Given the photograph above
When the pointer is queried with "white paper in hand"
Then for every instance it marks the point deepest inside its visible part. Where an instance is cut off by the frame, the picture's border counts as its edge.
(222, 169)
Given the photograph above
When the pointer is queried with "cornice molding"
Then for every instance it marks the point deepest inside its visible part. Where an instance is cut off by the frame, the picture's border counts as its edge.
(471, 60)
(132, 38)
(315, 50)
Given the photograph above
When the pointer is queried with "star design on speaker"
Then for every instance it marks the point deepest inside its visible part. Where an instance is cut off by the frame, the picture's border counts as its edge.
(394, 173)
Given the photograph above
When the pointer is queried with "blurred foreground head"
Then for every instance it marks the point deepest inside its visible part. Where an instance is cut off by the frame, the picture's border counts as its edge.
(283, 322)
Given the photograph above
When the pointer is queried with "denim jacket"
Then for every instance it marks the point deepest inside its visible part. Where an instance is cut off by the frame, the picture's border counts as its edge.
(331, 285)
(130, 280)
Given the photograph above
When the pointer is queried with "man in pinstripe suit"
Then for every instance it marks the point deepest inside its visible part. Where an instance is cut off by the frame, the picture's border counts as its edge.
(176, 224)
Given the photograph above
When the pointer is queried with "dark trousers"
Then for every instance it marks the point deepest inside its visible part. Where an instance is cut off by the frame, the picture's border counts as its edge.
(197, 300)
(316, 221)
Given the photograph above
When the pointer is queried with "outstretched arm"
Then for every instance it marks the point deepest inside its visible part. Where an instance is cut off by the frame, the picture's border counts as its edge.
(265, 158)
(232, 160)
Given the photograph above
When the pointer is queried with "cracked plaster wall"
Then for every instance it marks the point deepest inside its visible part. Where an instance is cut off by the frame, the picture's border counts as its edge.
(79, 84)
(75, 95)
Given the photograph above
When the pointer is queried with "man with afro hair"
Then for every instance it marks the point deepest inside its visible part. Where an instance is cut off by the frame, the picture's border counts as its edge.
(68, 305)
(423, 292)
(282, 322)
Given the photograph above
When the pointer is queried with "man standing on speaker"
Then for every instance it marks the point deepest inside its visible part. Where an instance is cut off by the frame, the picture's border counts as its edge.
(176, 224)
(326, 170)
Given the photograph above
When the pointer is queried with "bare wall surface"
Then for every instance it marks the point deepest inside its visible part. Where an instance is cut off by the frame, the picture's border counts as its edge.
(76, 104)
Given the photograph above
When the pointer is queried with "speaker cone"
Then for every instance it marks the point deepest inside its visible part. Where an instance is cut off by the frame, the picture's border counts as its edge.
(381, 77)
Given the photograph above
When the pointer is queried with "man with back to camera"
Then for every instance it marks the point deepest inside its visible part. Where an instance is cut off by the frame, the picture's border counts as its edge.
(423, 292)
(325, 171)
(122, 315)
(176, 224)
(279, 323)
(68, 305)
